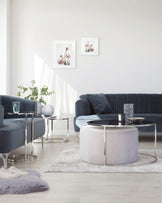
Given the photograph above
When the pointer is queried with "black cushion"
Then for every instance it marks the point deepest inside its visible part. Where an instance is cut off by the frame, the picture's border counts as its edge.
(99, 103)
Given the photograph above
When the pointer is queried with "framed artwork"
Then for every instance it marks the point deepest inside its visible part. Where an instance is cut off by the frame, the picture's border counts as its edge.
(89, 46)
(64, 54)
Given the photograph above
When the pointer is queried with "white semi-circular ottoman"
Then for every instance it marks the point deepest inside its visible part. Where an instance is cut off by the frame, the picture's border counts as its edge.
(121, 145)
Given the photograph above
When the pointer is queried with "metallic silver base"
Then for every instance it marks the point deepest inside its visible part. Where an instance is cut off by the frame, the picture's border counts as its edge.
(57, 140)
(21, 157)
(137, 164)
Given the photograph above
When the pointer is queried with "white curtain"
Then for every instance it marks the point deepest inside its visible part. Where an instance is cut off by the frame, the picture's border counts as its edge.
(65, 95)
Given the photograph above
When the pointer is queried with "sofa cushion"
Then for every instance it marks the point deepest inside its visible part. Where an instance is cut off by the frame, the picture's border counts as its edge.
(156, 118)
(83, 120)
(11, 136)
(99, 103)
(1, 115)
(39, 126)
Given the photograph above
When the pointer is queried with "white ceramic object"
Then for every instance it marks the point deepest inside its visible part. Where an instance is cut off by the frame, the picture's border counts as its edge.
(136, 119)
(48, 110)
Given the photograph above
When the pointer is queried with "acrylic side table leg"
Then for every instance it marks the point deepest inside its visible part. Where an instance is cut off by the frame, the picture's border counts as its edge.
(32, 155)
(32, 136)
(32, 125)
(42, 141)
(47, 129)
(77, 140)
(104, 145)
(4, 157)
(67, 132)
(155, 139)
(26, 137)
(52, 130)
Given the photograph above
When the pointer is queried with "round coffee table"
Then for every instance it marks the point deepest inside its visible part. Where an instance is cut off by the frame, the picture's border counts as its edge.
(107, 124)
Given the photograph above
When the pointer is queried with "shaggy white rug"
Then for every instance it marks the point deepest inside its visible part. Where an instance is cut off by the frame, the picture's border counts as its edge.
(69, 161)
(16, 181)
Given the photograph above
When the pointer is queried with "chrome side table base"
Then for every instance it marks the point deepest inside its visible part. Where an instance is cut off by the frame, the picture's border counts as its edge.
(27, 155)
(58, 139)
(21, 157)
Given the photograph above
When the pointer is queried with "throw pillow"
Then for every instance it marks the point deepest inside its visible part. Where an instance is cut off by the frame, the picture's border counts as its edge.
(99, 103)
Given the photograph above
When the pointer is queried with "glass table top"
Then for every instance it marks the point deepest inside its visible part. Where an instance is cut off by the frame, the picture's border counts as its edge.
(116, 123)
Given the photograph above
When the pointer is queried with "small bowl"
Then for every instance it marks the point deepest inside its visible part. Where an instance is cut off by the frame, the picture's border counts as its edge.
(136, 119)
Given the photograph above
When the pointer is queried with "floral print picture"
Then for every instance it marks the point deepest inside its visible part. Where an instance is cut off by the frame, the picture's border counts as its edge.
(64, 54)
(89, 46)
(64, 58)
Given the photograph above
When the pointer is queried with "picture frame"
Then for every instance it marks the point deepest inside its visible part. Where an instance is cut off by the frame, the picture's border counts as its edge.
(89, 46)
(64, 54)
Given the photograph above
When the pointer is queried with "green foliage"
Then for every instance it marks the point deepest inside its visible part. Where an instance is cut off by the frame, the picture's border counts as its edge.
(34, 93)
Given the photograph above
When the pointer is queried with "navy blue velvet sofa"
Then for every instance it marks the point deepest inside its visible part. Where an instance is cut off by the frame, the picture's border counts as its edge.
(145, 105)
(12, 127)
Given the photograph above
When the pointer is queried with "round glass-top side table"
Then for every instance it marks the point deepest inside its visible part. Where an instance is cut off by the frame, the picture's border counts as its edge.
(28, 156)
(50, 122)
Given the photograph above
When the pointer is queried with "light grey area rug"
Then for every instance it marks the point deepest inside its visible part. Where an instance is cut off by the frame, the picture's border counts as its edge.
(69, 161)
(15, 181)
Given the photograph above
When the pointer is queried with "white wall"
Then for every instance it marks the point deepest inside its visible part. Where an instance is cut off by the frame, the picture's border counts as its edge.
(130, 34)
(4, 45)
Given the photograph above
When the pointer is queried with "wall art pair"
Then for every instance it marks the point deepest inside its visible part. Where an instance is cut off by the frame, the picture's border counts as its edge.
(65, 51)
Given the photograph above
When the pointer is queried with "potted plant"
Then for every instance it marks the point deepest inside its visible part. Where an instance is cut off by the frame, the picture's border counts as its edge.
(32, 92)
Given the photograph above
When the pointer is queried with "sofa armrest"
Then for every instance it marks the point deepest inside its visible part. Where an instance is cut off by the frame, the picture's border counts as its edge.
(82, 107)
(1, 115)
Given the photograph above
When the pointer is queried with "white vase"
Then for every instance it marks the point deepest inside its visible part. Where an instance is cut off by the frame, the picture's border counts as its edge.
(48, 110)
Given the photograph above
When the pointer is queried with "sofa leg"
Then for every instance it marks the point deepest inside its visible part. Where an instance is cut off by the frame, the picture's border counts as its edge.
(5, 159)
(77, 137)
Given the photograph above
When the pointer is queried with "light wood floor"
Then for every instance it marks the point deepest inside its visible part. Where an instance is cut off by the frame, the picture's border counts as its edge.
(88, 187)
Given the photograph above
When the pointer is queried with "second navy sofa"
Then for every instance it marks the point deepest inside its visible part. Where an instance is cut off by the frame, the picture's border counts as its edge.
(107, 106)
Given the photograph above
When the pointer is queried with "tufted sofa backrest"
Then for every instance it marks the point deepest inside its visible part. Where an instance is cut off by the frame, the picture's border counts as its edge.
(143, 103)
